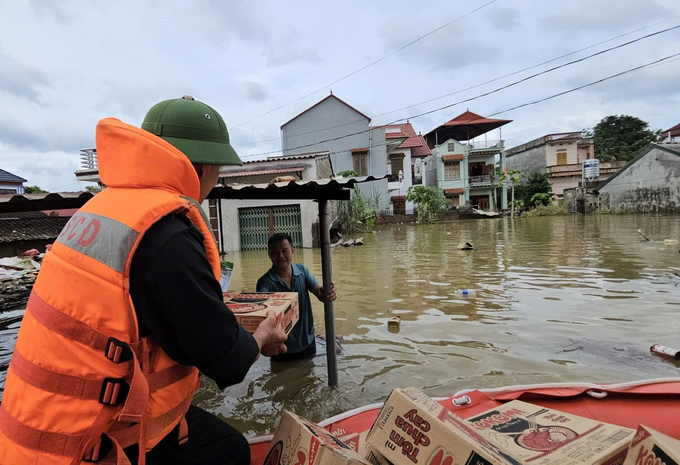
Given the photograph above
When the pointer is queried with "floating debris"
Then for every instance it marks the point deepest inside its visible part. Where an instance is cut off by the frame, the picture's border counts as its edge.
(466, 246)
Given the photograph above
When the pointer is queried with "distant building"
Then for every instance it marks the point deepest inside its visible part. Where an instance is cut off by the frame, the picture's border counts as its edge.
(559, 156)
(650, 182)
(11, 183)
(463, 162)
(671, 135)
(247, 224)
(336, 127)
(406, 154)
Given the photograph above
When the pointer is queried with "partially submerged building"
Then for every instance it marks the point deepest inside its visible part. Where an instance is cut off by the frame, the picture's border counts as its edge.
(560, 157)
(464, 160)
(650, 182)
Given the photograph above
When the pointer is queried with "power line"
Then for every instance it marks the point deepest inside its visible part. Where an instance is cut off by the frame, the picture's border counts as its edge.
(501, 88)
(528, 68)
(497, 79)
(368, 65)
(498, 89)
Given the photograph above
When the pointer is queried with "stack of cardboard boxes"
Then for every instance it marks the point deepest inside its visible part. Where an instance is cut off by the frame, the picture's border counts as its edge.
(412, 428)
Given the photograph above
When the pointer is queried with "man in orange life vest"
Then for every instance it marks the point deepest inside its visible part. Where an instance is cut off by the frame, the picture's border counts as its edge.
(127, 308)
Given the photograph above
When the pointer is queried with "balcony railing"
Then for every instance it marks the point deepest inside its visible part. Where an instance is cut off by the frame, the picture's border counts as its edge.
(476, 180)
(486, 144)
(564, 135)
(88, 159)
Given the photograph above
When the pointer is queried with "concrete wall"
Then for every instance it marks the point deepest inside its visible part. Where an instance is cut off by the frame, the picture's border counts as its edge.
(309, 217)
(333, 121)
(529, 161)
(651, 183)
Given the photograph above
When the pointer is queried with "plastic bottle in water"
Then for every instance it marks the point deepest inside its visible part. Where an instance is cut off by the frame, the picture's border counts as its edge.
(467, 293)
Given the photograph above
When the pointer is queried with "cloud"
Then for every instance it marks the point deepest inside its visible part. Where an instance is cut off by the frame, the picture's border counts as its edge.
(20, 79)
(604, 14)
(504, 18)
(255, 91)
(287, 56)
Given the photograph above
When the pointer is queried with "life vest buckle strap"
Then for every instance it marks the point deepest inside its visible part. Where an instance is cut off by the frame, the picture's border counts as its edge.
(114, 391)
(118, 351)
(99, 450)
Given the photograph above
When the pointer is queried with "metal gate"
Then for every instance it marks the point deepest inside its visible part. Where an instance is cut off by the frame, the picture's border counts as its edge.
(258, 223)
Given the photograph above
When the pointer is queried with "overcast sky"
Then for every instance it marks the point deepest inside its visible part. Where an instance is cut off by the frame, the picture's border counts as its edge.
(66, 64)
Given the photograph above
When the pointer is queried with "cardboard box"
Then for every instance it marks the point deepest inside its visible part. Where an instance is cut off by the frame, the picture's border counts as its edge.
(250, 308)
(652, 447)
(301, 442)
(534, 434)
(412, 428)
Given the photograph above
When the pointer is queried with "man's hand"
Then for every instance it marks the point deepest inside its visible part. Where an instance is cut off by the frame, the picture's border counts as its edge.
(269, 338)
(318, 292)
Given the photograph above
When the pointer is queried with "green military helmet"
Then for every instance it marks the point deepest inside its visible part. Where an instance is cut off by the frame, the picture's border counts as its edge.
(195, 128)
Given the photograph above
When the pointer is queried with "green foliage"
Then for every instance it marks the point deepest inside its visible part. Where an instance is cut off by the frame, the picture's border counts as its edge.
(430, 201)
(34, 190)
(94, 189)
(347, 174)
(358, 213)
(541, 199)
(547, 210)
(621, 137)
(536, 184)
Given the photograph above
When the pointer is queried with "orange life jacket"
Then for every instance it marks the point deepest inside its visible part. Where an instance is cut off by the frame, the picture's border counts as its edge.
(81, 377)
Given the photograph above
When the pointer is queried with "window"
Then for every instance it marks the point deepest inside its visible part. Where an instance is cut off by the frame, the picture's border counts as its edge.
(452, 170)
(451, 147)
(561, 156)
(361, 164)
(397, 165)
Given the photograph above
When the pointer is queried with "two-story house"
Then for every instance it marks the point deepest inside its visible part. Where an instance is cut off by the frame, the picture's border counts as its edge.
(11, 183)
(406, 154)
(465, 162)
(560, 156)
(345, 133)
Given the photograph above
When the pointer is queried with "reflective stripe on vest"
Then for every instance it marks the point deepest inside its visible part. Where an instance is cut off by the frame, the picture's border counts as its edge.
(92, 235)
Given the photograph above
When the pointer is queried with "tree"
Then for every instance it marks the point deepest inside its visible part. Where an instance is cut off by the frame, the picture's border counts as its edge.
(431, 202)
(514, 177)
(34, 190)
(536, 184)
(621, 137)
(94, 189)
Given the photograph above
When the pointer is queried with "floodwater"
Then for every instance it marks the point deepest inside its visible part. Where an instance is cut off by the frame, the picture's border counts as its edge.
(556, 299)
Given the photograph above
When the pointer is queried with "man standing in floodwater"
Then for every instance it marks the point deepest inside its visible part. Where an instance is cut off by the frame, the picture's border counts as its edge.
(286, 276)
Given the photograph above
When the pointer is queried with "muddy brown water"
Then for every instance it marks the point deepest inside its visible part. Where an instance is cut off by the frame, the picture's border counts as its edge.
(556, 299)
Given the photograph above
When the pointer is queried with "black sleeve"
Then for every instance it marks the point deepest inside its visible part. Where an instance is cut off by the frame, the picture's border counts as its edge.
(178, 300)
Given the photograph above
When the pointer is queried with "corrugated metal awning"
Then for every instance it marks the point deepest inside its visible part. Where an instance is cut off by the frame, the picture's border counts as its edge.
(318, 189)
(237, 174)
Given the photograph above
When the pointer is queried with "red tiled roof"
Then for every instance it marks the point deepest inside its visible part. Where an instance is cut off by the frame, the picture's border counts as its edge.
(673, 132)
(467, 126)
(453, 157)
(361, 149)
(415, 142)
(421, 150)
(319, 103)
(238, 174)
(458, 190)
(396, 135)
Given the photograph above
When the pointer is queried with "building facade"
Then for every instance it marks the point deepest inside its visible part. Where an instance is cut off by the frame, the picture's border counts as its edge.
(648, 183)
(11, 183)
(333, 126)
(247, 224)
(559, 156)
(464, 161)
